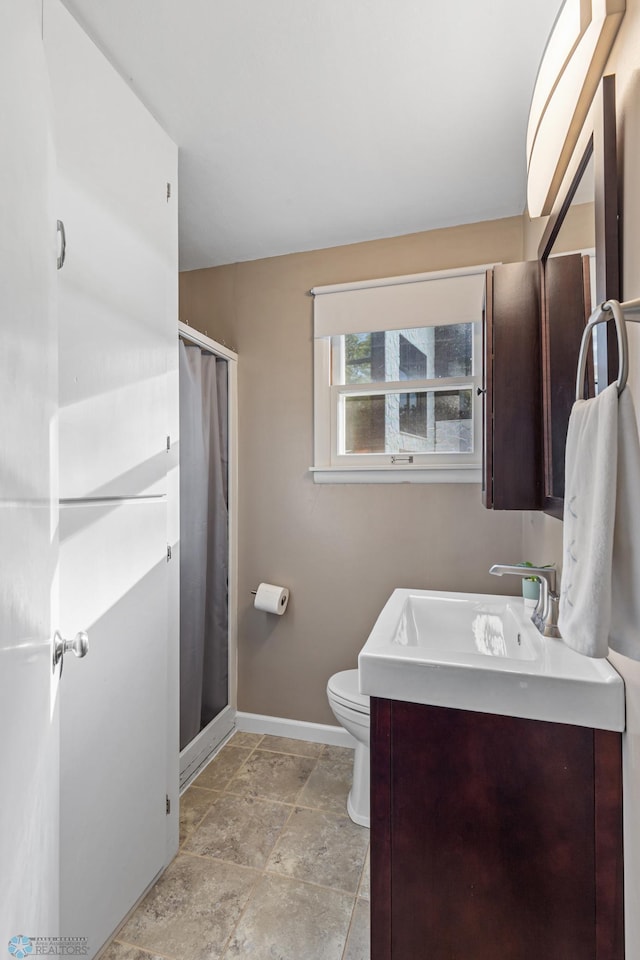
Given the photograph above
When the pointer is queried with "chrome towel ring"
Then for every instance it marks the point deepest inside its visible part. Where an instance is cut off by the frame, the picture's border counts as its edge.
(619, 312)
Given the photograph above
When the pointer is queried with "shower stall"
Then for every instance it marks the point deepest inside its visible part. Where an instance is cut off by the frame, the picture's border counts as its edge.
(208, 538)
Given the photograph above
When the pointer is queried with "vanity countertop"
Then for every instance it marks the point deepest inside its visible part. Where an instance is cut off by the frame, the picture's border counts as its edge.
(481, 652)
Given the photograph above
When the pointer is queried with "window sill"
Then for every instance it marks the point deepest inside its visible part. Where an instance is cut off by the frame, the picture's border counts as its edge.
(465, 473)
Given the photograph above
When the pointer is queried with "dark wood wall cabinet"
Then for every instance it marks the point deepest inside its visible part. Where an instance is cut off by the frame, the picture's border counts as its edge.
(512, 414)
(565, 311)
(493, 837)
(533, 324)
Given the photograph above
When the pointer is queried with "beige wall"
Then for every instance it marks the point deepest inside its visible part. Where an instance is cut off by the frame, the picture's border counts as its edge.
(625, 63)
(541, 534)
(340, 548)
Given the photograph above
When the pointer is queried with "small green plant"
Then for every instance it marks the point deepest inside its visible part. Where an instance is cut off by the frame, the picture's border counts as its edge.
(527, 563)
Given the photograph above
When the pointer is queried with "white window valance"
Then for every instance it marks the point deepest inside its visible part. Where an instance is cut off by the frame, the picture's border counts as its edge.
(397, 303)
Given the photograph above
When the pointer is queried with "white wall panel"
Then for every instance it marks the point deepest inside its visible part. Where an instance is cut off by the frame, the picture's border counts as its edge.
(117, 288)
(28, 535)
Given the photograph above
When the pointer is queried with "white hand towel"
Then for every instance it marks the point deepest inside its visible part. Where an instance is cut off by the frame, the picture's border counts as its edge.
(589, 513)
(625, 573)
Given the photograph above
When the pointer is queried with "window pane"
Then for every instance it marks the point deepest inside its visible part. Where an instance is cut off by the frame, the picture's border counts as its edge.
(422, 421)
(364, 427)
(413, 361)
(422, 353)
(364, 357)
(453, 350)
(413, 414)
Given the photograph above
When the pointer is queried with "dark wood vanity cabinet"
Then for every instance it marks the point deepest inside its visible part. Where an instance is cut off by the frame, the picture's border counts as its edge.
(512, 397)
(493, 838)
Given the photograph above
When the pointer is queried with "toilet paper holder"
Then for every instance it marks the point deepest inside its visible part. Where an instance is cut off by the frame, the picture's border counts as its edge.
(270, 598)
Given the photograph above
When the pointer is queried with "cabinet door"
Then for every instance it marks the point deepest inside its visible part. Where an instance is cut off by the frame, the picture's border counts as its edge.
(567, 305)
(512, 398)
(117, 291)
(113, 585)
(493, 837)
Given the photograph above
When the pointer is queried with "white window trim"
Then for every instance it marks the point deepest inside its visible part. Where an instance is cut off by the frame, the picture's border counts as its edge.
(329, 467)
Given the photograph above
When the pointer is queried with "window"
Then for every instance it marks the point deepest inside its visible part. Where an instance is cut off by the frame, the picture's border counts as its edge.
(397, 371)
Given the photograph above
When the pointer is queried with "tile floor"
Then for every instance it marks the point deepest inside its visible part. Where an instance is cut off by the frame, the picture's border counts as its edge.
(270, 867)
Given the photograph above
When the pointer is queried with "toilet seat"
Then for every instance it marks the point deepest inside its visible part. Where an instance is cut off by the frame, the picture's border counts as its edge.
(343, 687)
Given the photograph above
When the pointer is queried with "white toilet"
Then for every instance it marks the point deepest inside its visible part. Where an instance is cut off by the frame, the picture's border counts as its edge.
(351, 710)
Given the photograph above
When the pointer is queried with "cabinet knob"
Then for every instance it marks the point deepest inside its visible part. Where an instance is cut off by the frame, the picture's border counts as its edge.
(79, 646)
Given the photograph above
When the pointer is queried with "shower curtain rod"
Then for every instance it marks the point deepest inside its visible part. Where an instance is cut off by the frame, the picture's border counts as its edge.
(202, 340)
(620, 313)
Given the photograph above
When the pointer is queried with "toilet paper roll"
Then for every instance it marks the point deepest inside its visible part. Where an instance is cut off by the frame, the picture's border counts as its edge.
(271, 598)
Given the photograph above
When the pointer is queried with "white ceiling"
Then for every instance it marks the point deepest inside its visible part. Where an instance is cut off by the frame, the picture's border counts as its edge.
(311, 123)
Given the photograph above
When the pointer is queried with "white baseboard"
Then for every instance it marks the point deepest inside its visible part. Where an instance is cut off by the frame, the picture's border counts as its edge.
(296, 729)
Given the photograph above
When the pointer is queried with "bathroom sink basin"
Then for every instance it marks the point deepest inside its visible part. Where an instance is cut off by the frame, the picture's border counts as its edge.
(481, 652)
(455, 629)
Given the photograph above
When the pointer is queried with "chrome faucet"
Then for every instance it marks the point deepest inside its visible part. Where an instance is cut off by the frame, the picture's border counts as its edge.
(545, 614)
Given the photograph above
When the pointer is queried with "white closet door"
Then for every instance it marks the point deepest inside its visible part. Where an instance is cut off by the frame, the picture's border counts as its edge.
(28, 686)
(113, 585)
(118, 348)
(118, 287)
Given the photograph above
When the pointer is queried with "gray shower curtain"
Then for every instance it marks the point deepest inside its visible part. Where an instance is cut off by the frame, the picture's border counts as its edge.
(204, 539)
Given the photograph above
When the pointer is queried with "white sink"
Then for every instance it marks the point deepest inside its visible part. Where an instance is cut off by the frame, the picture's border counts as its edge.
(481, 652)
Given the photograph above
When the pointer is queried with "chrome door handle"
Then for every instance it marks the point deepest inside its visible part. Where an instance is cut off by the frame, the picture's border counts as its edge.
(63, 247)
(79, 646)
